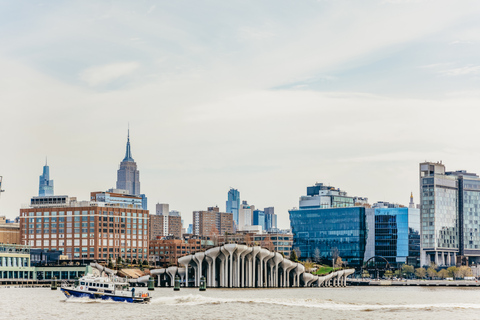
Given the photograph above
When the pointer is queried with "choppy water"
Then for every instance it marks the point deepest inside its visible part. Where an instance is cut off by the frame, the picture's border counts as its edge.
(301, 303)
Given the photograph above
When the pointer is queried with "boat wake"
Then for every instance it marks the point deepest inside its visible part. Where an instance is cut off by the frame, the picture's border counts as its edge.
(192, 300)
(87, 300)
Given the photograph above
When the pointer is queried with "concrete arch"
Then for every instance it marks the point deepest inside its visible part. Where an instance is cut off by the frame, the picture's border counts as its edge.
(234, 265)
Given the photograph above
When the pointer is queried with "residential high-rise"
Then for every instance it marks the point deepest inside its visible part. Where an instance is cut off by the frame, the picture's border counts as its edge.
(245, 215)
(212, 222)
(162, 208)
(450, 210)
(233, 204)
(165, 223)
(45, 187)
(128, 177)
(329, 222)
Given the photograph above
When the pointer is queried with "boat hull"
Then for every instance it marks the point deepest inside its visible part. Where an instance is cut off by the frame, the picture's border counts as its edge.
(69, 293)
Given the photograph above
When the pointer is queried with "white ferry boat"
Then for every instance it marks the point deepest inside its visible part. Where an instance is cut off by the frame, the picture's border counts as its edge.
(106, 288)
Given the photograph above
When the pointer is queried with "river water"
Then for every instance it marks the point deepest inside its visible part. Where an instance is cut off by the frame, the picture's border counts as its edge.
(298, 303)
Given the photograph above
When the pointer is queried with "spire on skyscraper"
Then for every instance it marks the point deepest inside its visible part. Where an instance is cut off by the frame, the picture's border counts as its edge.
(128, 152)
(411, 204)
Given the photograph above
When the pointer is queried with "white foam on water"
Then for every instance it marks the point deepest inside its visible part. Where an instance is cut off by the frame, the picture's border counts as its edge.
(87, 300)
(195, 299)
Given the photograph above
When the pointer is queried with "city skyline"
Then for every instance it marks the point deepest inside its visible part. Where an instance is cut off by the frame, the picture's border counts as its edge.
(265, 101)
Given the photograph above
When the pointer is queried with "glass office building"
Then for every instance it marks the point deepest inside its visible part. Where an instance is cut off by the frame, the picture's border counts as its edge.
(233, 204)
(330, 229)
(394, 233)
(259, 219)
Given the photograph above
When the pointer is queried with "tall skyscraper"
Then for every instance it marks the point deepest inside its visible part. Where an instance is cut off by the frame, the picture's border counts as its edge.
(128, 177)
(233, 204)
(45, 187)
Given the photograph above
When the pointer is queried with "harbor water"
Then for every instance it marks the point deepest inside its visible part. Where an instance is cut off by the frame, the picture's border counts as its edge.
(298, 303)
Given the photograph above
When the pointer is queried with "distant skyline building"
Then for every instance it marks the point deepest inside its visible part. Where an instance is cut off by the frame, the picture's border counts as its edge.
(270, 219)
(162, 208)
(45, 187)
(245, 215)
(259, 219)
(233, 204)
(128, 176)
(212, 222)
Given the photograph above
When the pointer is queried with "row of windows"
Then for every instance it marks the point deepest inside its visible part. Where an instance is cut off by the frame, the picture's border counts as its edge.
(69, 213)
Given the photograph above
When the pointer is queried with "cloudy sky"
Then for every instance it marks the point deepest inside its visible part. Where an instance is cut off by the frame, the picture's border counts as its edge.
(264, 96)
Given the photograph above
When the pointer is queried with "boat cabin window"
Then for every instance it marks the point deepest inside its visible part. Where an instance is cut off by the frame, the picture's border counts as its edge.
(82, 283)
(105, 285)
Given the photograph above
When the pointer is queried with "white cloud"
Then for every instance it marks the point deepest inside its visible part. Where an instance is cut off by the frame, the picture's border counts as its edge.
(101, 75)
(462, 71)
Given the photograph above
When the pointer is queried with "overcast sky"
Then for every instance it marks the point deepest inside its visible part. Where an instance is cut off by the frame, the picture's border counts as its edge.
(268, 97)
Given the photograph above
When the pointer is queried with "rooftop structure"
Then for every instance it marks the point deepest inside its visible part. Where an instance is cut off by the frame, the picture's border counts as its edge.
(322, 196)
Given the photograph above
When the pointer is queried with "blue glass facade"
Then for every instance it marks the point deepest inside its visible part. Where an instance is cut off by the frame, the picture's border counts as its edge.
(327, 229)
(270, 219)
(233, 204)
(259, 218)
(45, 187)
(396, 235)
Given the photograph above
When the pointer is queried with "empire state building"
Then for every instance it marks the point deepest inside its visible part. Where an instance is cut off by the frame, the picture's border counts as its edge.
(128, 177)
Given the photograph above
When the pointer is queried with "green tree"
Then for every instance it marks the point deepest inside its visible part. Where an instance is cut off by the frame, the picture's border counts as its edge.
(308, 265)
(408, 270)
(119, 260)
(110, 263)
(442, 274)
(293, 256)
(388, 274)
(452, 271)
(145, 262)
(420, 273)
(465, 271)
(431, 272)
(134, 261)
(365, 274)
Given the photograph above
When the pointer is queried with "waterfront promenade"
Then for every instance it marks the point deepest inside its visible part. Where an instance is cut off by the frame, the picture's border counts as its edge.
(424, 283)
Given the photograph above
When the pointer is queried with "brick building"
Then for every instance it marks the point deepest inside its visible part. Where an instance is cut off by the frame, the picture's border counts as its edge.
(85, 230)
(165, 252)
(212, 222)
(164, 226)
(9, 232)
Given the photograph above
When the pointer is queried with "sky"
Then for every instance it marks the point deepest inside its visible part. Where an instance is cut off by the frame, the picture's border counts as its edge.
(268, 97)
